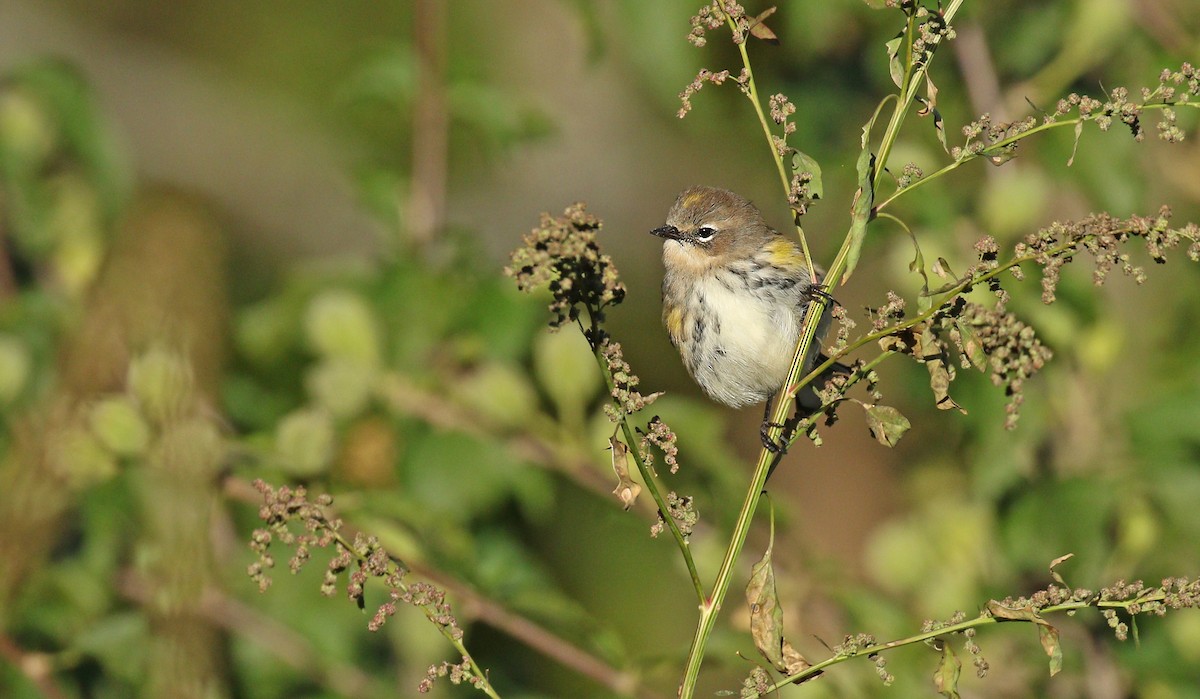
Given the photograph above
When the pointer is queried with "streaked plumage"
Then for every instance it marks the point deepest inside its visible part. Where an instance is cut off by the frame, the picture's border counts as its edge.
(734, 295)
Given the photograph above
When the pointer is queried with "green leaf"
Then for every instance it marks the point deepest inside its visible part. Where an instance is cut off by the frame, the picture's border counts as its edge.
(972, 346)
(305, 442)
(860, 211)
(1075, 146)
(886, 423)
(802, 162)
(930, 351)
(895, 66)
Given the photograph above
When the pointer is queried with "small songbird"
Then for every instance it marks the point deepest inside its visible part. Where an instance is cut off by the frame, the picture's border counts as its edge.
(735, 293)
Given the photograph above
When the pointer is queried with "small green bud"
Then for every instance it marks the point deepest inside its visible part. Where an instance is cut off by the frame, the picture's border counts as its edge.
(304, 443)
(26, 135)
(340, 325)
(81, 459)
(566, 369)
(16, 365)
(341, 387)
(162, 382)
(501, 392)
(119, 426)
(264, 332)
(74, 226)
(193, 447)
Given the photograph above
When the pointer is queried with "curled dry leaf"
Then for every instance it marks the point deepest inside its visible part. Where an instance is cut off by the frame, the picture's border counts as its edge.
(627, 489)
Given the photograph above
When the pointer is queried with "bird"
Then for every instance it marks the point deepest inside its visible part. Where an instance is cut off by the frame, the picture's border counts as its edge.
(735, 293)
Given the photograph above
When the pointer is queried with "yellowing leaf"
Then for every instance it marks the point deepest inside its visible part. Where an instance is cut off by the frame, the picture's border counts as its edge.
(886, 423)
(945, 678)
(627, 489)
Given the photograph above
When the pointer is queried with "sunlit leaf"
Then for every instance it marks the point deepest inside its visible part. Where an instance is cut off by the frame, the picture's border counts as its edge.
(860, 211)
(971, 344)
(761, 31)
(802, 162)
(1055, 563)
(1050, 643)
(895, 66)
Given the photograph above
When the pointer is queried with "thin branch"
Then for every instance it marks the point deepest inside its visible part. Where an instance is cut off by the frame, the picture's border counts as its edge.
(539, 638)
(431, 123)
(285, 644)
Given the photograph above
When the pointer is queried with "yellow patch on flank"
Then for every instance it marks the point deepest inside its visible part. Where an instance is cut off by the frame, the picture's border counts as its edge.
(674, 321)
(782, 253)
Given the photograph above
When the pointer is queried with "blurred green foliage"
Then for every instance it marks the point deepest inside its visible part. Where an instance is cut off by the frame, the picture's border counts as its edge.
(419, 388)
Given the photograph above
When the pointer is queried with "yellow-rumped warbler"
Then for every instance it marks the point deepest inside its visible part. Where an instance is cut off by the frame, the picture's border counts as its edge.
(734, 296)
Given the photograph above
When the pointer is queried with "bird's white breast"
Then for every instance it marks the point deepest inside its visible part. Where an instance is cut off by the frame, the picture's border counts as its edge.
(745, 350)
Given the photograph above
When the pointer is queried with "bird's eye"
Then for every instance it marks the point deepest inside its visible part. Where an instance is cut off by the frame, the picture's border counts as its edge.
(705, 233)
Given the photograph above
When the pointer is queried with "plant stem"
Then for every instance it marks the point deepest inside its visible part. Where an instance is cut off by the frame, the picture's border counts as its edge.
(633, 443)
(751, 92)
(1045, 126)
(913, 74)
(981, 620)
(710, 607)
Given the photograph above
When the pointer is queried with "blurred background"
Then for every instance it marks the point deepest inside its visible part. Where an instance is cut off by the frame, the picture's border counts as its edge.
(245, 240)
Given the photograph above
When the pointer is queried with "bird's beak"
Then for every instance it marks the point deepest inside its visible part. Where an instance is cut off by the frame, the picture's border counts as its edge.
(668, 232)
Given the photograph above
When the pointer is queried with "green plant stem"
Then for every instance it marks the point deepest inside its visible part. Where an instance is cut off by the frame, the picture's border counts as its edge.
(981, 620)
(751, 92)
(785, 402)
(633, 443)
(913, 75)
(999, 145)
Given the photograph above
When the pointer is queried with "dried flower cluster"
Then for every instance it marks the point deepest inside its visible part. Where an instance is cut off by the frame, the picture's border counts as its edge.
(909, 174)
(682, 510)
(983, 135)
(881, 669)
(1101, 235)
(1131, 597)
(626, 399)
(930, 32)
(888, 313)
(1175, 88)
(715, 14)
(657, 433)
(457, 672)
(844, 325)
(852, 645)
(281, 508)
(781, 109)
(562, 253)
(1014, 352)
(286, 508)
(703, 77)
(756, 684)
